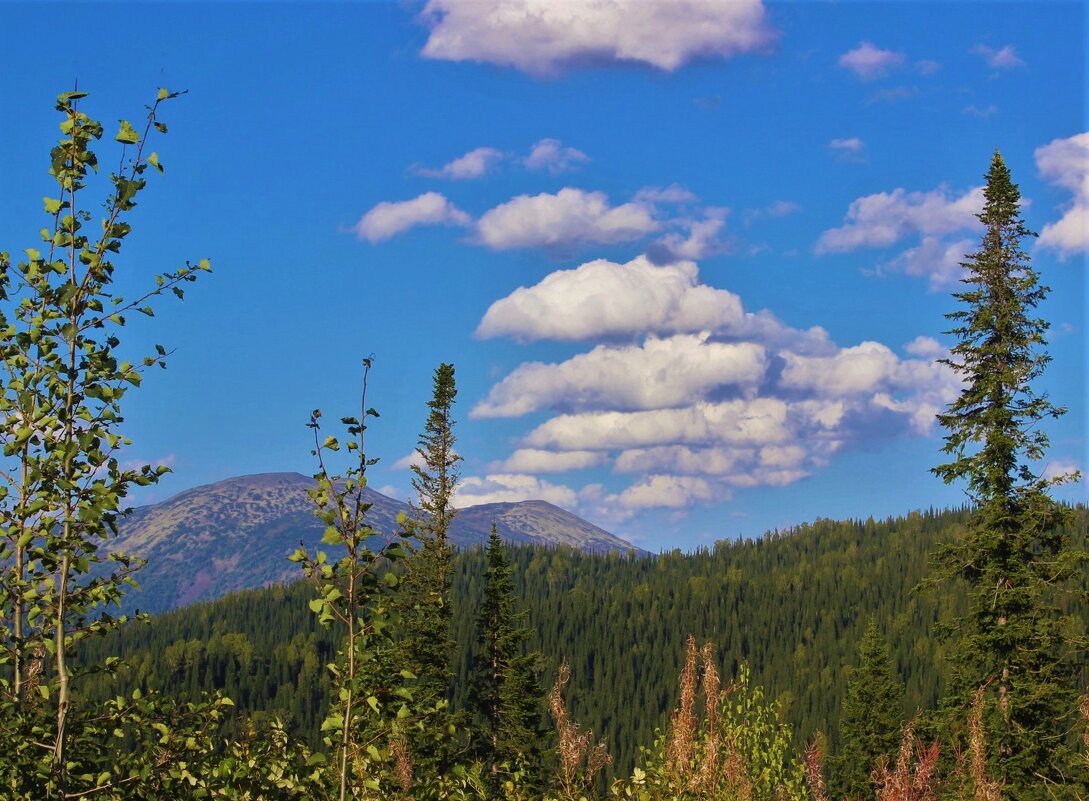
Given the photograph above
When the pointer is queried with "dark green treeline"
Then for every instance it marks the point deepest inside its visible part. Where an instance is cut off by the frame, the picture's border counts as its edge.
(794, 604)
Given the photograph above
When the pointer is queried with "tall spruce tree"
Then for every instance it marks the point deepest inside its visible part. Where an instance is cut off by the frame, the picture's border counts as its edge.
(504, 696)
(870, 719)
(1015, 553)
(427, 649)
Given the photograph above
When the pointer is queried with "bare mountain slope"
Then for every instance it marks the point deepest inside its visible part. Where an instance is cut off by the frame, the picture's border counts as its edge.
(236, 534)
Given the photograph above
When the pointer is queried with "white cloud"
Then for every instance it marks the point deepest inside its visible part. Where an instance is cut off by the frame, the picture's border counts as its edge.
(849, 149)
(926, 347)
(983, 112)
(1060, 468)
(567, 219)
(1065, 163)
(928, 66)
(541, 37)
(671, 492)
(851, 145)
(474, 164)
(938, 260)
(780, 208)
(407, 461)
(387, 219)
(1003, 58)
(885, 218)
(713, 461)
(660, 373)
(512, 488)
(551, 155)
(674, 193)
(860, 369)
(700, 241)
(868, 61)
(757, 421)
(534, 460)
(602, 299)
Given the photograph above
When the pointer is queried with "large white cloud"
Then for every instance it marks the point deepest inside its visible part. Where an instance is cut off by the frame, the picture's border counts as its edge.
(564, 220)
(605, 299)
(1065, 162)
(543, 36)
(660, 373)
(387, 219)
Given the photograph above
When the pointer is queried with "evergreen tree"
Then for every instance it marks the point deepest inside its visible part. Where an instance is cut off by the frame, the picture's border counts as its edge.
(869, 725)
(426, 648)
(1016, 549)
(505, 695)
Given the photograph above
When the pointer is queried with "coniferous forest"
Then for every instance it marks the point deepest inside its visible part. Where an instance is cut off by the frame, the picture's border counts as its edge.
(937, 655)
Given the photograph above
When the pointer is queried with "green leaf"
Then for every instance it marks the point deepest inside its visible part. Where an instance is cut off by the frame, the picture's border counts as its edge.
(127, 134)
(52, 205)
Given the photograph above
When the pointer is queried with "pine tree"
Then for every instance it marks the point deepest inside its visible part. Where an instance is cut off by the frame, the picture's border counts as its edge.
(504, 695)
(870, 720)
(1016, 549)
(426, 647)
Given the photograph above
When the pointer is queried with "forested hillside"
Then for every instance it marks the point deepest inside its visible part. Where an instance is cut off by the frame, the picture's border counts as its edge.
(793, 604)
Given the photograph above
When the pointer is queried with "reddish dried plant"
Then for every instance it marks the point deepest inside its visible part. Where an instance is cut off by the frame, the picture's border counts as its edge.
(814, 771)
(915, 775)
(986, 789)
(580, 759)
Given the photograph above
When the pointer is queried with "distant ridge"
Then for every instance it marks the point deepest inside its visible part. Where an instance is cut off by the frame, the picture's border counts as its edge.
(236, 534)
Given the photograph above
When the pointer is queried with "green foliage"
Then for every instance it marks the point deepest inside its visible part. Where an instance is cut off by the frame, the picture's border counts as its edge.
(1016, 552)
(371, 709)
(63, 484)
(871, 719)
(504, 694)
(423, 601)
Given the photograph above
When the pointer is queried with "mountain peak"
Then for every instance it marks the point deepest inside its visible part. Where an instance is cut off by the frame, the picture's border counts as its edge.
(237, 533)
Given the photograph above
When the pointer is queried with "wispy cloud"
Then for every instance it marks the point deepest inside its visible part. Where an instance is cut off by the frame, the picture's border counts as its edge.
(870, 62)
(551, 155)
(474, 164)
(849, 149)
(1002, 58)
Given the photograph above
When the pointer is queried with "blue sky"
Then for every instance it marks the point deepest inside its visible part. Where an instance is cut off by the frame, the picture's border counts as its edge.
(690, 259)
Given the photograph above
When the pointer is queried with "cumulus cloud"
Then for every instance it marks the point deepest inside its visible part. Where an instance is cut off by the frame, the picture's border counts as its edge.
(605, 299)
(1065, 163)
(511, 488)
(869, 62)
(927, 347)
(551, 155)
(387, 219)
(657, 374)
(534, 460)
(567, 219)
(699, 239)
(934, 217)
(542, 37)
(474, 164)
(670, 492)
(1002, 58)
(1060, 468)
(887, 217)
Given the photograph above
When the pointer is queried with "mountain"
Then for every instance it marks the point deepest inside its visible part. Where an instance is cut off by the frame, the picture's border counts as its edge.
(236, 534)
